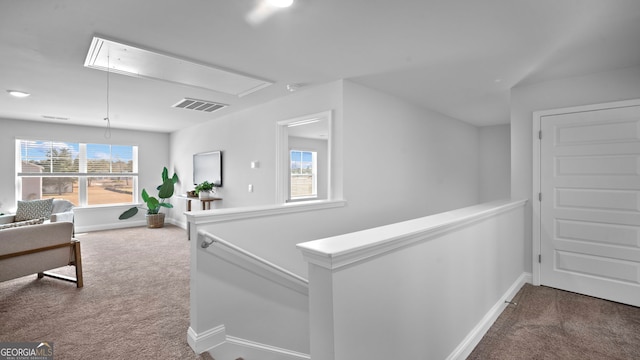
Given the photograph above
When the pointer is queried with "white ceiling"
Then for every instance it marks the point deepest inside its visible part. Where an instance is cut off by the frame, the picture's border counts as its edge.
(458, 57)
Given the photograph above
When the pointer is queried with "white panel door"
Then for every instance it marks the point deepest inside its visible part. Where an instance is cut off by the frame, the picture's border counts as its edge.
(590, 208)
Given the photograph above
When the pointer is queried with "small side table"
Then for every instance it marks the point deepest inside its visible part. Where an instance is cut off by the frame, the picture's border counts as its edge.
(206, 205)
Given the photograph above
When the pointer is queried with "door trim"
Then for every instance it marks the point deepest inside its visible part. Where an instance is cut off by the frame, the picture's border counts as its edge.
(537, 119)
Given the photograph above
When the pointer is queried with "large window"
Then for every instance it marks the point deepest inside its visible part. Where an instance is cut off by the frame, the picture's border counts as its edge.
(85, 174)
(304, 170)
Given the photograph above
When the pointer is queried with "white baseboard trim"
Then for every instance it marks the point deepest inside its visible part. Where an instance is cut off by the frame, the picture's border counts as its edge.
(178, 223)
(110, 226)
(213, 338)
(464, 349)
(232, 340)
(124, 224)
(206, 340)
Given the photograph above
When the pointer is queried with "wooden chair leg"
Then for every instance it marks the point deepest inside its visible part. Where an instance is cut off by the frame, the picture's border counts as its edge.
(75, 247)
(78, 258)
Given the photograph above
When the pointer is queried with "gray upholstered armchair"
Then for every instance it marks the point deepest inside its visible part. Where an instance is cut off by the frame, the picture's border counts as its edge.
(30, 244)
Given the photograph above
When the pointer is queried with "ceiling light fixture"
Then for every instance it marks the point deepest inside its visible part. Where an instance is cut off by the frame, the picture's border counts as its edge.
(280, 3)
(293, 87)
(264, 9)
(18, 94)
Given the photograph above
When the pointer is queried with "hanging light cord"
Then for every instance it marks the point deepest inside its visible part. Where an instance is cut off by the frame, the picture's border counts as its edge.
(107, 131)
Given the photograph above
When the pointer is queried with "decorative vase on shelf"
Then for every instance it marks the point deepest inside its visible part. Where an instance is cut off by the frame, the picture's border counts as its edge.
(204, 194)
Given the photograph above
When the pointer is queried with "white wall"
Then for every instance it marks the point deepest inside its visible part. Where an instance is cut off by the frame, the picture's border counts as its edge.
(615, 85)
(495, 162)
(153, 155)
(396, 161)
(392, 153)
(247, 136)
(402, 161)
(420, 289)
(419, 164)
(247, 305)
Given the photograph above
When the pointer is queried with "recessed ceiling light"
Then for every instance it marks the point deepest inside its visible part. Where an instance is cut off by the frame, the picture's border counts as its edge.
(17, 93)
(280, 3)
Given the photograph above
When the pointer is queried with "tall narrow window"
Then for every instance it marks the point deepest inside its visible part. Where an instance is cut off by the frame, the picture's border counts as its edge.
(303, 162)
(304, 174)
(85, 174)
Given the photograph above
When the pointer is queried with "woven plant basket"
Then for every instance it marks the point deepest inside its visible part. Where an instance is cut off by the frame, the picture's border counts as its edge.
(155, 220)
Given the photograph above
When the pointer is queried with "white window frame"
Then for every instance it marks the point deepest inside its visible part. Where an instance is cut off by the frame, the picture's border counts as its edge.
(283, 165)
(314, 175)
(82, 173)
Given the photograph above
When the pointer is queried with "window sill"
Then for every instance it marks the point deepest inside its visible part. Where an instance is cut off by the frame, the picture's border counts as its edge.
(303, 198)
(107, 206)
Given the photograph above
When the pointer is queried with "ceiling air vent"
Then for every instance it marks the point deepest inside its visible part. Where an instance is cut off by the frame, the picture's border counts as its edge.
(199, 105)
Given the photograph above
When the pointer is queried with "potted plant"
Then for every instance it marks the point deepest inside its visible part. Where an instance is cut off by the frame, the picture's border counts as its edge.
(203, 190)
(155, 219)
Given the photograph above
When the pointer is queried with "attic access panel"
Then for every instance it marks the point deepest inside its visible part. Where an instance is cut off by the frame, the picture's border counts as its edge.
(133, 61)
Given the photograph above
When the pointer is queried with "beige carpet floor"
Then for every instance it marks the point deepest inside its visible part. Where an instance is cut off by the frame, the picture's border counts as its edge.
(553, 324)
(134, 304)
